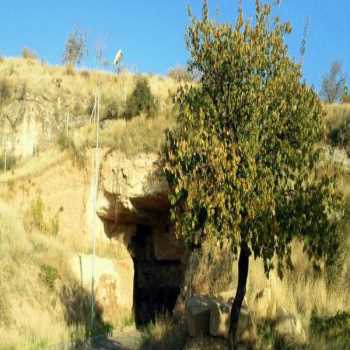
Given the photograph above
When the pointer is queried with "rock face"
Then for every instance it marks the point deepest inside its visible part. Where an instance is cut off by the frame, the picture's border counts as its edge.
(207, 315)
(131, 189)
(132, 194)
(133, 207)
(114, 283)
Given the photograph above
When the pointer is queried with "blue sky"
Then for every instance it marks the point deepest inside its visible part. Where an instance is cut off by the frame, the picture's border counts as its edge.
(151, 33)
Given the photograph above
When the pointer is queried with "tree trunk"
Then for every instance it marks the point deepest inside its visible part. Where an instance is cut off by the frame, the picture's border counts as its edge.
(243, 265)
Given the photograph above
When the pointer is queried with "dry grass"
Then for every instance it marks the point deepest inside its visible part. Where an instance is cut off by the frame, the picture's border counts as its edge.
(336, 114)
(53, 82)
(138, 135)
(163, 334)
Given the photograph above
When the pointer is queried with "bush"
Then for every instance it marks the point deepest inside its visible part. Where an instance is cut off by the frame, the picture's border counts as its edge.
(5, 90)
(29, 54)
(10, 162)
(340, 136)
(345, 99)
(335, 329)
(85, 74)
(70, 70)
(48, 274)
(111, 108)
(37, 218)
(141, 100)
(76, 153)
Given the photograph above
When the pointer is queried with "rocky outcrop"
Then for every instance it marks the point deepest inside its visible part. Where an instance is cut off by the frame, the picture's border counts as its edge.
(113, 284)
(132, 193)
(206, 315)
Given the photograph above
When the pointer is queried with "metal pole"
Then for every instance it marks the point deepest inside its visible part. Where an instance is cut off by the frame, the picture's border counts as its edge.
(5, 157)
(95, 186)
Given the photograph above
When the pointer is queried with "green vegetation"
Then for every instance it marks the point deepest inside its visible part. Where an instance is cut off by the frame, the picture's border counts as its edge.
(334, 330)
(141, 100)
(41, 219)
(48, 274)
(242, 162)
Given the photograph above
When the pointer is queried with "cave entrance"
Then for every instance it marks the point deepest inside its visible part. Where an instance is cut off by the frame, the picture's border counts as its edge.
(156, 282)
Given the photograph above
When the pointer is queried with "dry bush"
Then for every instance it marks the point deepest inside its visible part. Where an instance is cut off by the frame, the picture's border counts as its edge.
(70, 70)
(29, 54)
(163, 334)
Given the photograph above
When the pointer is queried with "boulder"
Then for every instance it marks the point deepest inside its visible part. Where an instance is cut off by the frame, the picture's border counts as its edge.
(114, 282)
(198, 315)
(220, 320)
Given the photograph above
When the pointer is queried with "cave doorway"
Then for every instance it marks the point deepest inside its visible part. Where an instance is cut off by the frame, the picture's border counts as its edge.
(156, 282)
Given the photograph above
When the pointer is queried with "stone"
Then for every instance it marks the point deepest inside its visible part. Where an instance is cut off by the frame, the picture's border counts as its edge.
(198, 315)
(114, 283)
(220, 320)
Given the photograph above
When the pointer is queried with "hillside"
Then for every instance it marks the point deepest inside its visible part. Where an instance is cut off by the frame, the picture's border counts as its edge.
(46, 213)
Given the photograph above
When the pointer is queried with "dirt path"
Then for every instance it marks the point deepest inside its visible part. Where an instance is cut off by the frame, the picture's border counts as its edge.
(129, 340)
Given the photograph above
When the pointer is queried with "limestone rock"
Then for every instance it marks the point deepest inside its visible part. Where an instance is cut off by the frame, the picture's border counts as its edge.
(131, 188)
(198, 315)
(220, 320)
(114, 282)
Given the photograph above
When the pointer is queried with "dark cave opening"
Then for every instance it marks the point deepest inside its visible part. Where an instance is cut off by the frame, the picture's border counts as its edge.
(156, 282)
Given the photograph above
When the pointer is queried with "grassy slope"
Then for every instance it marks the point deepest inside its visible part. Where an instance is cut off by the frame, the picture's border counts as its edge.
(33, 260)
(28, 305)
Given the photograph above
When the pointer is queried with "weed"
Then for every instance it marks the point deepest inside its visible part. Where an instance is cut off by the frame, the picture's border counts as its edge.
(48, 275)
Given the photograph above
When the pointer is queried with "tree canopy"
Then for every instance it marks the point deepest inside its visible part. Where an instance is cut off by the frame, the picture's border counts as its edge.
(243, 161)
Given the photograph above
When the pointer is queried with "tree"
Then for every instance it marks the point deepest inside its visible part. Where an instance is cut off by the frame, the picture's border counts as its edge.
(333, 83)
(75, 48)
(141, 100)
(243, 163)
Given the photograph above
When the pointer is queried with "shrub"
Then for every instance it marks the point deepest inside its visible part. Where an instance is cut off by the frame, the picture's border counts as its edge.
(37, 214)
(85, 74)
(76, 153)
(10, 162)
(111, 108)
(29, 54)
(5, 90)
(340, 136)
(48, 275)
(335, 329)
(141, 100)
(345, 99)
(70, 70)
